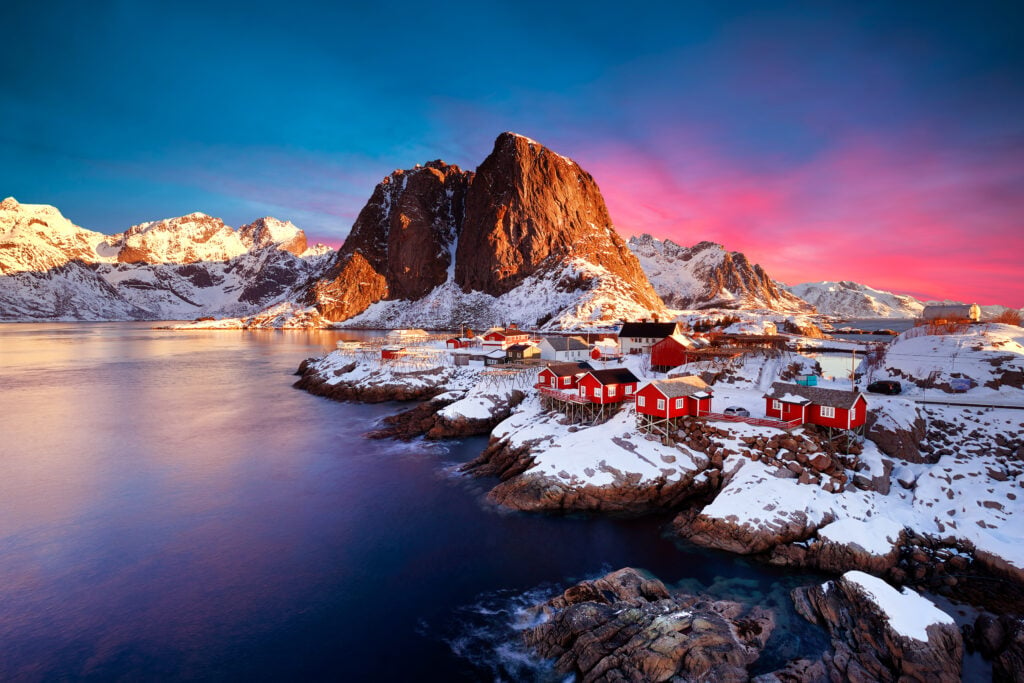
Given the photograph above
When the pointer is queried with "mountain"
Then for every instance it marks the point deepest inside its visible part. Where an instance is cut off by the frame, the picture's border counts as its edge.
(179, 268)
(707, 276)
(525, 238)
(847, 299)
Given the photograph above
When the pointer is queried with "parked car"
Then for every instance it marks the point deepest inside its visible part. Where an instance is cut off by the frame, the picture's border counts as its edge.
(737, 411)
(885, 387)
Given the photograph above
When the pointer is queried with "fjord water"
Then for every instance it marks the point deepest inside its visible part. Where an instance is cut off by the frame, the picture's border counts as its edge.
(170, 507)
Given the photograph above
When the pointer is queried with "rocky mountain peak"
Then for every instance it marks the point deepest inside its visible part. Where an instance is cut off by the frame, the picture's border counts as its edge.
(402, 243)
(707, 276)
(9, 204)
(526, 213)
(268, 232)
(184, 239)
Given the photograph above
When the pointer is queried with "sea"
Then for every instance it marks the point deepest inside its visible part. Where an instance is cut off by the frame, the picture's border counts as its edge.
(172, 508)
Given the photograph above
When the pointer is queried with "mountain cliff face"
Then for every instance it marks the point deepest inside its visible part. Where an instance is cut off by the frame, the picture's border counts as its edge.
(707, 276)
(179, 268)
(853, 300)
(525, 238)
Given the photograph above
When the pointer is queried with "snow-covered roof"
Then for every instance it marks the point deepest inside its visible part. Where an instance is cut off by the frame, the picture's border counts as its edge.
(680, 339)
(691, 385)
(822, 396)
(566, 343)
(568, 369)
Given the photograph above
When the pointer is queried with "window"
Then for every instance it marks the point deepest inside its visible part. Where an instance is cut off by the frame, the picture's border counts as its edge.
(679, 403)
(639, 400)
(661, 404)
(828, 411)
(597, 392)
(776, 404)
(565, 381)
(853, 413)
(611, 391)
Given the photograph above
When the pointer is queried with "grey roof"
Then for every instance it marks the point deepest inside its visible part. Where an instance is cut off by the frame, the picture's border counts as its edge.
(521, 347)
(565, 369)
(690, 385)
(567, 343)
(614, 376)
(822, 396)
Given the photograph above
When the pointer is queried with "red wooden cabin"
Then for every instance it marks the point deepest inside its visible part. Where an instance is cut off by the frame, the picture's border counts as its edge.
(561, 376)
(822, 406)
(613, 385)
(505, 337)
(670, 352)
(676, 397)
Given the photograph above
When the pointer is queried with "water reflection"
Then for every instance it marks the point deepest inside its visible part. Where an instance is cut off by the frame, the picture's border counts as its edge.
(171, 507)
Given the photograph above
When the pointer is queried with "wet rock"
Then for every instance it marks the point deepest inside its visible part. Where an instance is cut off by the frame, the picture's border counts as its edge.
(867, 647)
(627, 626)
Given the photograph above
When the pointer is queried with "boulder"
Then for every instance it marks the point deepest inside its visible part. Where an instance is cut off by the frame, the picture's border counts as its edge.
(627, 626)
(881, 634)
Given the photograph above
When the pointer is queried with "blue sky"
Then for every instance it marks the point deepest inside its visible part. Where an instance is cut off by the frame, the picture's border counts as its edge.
(800, 133)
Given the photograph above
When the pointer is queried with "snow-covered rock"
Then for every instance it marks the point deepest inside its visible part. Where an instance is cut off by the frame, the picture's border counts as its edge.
(707, 276)
(180, 268)
(847, 299)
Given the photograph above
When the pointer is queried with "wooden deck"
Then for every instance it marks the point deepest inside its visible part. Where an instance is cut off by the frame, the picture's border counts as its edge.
(758, 421)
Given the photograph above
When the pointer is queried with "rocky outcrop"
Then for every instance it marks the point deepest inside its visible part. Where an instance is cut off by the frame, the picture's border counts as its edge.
(526, 214)
(627, 626)
(318, 384)
(538, 493)
(871, 643)
(897, 436)
(707, 276)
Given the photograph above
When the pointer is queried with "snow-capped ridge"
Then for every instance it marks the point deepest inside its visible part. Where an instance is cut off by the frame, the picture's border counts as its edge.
(847, 299)
(706, 275)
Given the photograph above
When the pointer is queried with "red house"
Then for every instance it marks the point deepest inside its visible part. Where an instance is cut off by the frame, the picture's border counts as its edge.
(670, 352)
(670, 398)
(561, 376)
(501, 337)
(822, 406)
(613, 385)
(461, 342)
(391, 352)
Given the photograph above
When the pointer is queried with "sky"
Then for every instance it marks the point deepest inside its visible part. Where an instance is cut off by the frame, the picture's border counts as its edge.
(880, 142)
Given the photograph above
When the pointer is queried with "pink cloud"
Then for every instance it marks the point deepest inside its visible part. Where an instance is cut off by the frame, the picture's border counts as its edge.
(909, 218)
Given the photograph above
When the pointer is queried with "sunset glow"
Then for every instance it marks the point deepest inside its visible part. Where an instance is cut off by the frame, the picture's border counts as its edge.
(873, 142)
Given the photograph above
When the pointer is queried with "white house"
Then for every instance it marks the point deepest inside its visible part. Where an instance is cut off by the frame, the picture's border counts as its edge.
(564, 349)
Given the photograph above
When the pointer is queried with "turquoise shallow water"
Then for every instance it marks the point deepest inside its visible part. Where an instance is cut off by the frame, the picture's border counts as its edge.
(170, 507)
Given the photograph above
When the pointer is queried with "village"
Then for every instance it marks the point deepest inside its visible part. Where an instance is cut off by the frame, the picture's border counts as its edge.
(661, 371)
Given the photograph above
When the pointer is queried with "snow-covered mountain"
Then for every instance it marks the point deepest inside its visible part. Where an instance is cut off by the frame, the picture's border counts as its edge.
(179, 268)
(707, 276)
(526, 238)
(847, 299)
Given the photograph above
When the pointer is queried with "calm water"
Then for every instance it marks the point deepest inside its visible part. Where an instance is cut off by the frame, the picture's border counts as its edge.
(171, 507)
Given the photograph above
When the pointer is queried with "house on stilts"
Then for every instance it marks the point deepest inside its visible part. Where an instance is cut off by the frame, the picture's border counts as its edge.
(661, 405)
(837, 410)
(585, 396)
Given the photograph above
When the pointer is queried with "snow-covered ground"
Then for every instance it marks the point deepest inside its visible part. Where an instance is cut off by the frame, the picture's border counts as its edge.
(989, 355)
(967, 495)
